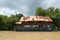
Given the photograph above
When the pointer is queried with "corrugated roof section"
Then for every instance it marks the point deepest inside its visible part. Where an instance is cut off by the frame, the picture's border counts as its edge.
(36, 18)
(18, 22)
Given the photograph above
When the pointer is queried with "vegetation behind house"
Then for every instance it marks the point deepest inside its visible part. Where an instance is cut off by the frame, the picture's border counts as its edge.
(8, 22)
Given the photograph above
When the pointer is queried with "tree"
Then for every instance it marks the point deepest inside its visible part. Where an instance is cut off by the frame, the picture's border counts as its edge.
(57, 20)
(18, 16)
(39, 11)
(8, 22)
(13, 19)
(1, 21)
(51, 12)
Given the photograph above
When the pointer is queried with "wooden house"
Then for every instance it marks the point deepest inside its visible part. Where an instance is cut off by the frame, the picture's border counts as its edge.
(34, 23)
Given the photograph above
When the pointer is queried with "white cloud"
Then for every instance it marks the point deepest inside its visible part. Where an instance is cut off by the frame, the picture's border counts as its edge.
(49, 2)
(24, 8)
(27, 7)
(6, 11)
(2, 1)
(25, 14)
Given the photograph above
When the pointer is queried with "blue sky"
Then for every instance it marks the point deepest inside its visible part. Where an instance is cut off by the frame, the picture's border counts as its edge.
(26, 7)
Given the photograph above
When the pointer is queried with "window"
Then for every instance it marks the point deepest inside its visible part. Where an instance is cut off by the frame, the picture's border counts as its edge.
(48, 25)
(27, 26)
(35, 25)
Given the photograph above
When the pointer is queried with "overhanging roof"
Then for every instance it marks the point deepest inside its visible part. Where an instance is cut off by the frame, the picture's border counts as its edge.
(34, 18)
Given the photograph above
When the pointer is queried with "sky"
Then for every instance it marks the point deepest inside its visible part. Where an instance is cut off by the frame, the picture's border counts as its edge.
(26, 7)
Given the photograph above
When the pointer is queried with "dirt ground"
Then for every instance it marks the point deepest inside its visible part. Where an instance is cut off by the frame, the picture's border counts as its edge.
(9, 35)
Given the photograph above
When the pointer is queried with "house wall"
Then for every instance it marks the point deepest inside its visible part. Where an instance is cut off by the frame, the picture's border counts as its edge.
(32, 26)
(44, 27)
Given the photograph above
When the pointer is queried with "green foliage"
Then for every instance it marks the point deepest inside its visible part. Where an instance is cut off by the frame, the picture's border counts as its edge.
(53, 13)
(18, 16)
(8, 22)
